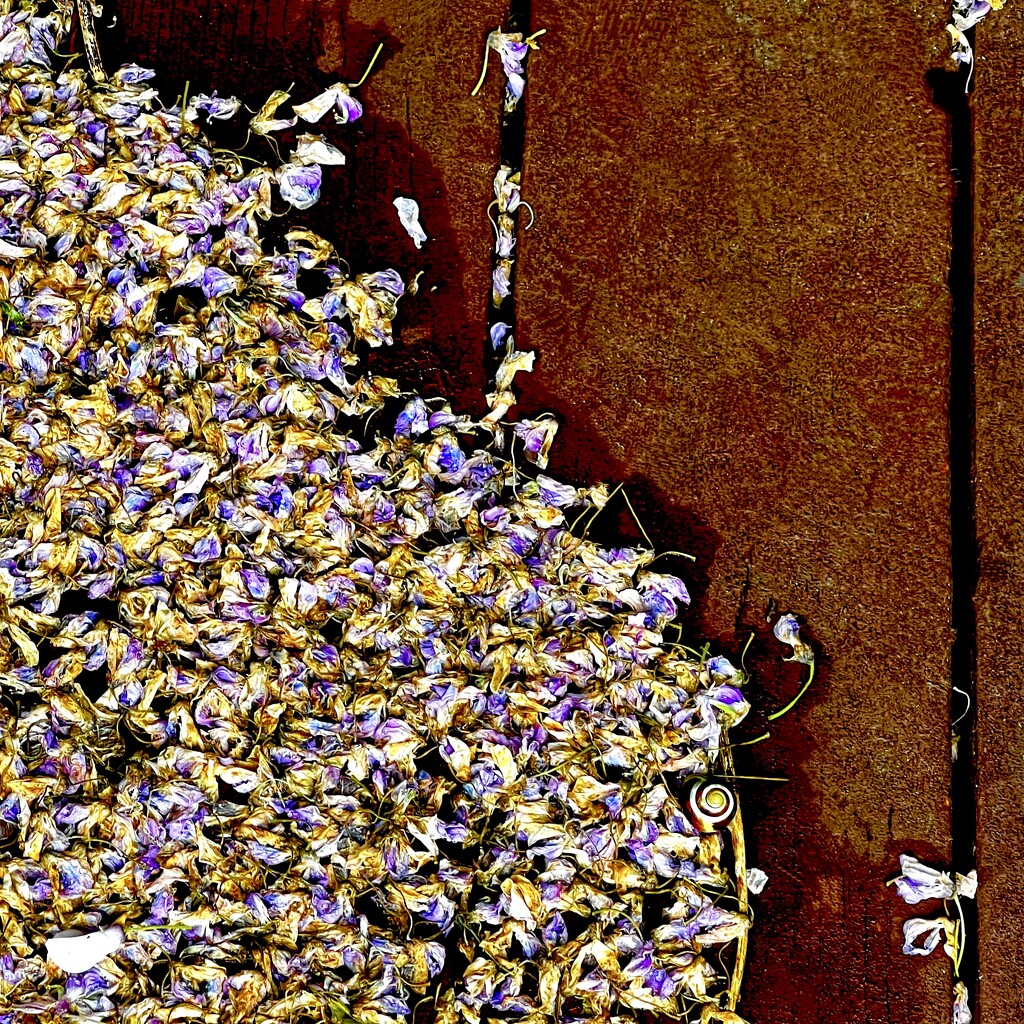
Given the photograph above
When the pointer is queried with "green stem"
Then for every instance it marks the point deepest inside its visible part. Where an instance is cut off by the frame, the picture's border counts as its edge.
(792, 704)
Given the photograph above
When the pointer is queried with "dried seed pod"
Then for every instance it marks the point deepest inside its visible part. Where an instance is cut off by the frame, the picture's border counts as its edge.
(709, 805)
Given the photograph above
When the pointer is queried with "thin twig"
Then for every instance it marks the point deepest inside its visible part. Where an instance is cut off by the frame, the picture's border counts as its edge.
(369, 67)
(636, 519)
(792, 704)
(92, 47)
(483, 70)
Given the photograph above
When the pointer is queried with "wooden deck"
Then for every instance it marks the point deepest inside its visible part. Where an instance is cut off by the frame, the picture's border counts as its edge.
(737, 289)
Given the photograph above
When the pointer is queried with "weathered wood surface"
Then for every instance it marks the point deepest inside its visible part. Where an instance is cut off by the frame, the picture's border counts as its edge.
(999, 475)
(736, 285)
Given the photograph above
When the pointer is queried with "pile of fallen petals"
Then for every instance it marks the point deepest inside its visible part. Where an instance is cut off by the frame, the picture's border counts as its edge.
(314, 705)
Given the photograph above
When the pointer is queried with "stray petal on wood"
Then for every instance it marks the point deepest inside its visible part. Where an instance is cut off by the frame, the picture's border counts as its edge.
(787, 630)
(961, 1006)
(756, 880)
(315, 149)
(409, 215)
(922, 935)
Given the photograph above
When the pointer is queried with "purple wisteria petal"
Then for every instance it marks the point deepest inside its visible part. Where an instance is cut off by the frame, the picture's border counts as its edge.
(787, 631)
(217, 283)
(300, 184)
(919, 882)
(923, 935)
(216, 108)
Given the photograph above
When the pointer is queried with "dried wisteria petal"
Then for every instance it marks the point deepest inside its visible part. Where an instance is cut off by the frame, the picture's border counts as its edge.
(922, 935)
(918, 881)
(787, 631)
(264, 122)
(756, 880)
(961, 1006)
(500, 333)
(537, 437)
(967, 885)
(965, 15)
(336, 97)
(409, 216)
(300, 184)
(315, 149)
(512, 49)
(962, 52)
(219, 108)
(501, 285)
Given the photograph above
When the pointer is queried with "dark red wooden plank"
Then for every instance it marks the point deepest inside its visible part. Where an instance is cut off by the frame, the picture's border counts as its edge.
(736, 287)
(422, 135)
(999, 468)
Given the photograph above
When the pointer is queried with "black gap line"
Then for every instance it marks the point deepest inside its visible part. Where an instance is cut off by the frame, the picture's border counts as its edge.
(511, 146)
(950, 94)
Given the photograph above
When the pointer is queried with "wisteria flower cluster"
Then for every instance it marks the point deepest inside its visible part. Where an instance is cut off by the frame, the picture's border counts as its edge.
(512, 49)
(918, 882)
(304, 720)
(507, 200)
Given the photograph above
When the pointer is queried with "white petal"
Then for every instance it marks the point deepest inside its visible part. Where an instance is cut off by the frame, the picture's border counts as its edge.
(931, 931)
(409, 215)
(273, 125)
(14, 251)
(314, 109)
(77, 952)
(756, 880)
(916, 927)
(967, 885)
(315, 149)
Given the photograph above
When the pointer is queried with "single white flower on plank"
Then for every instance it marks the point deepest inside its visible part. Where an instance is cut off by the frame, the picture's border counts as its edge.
(920, 882)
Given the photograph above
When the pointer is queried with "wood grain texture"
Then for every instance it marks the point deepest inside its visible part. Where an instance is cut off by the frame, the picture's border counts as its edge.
(736, 288)
(422, 135)
(999, 483)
